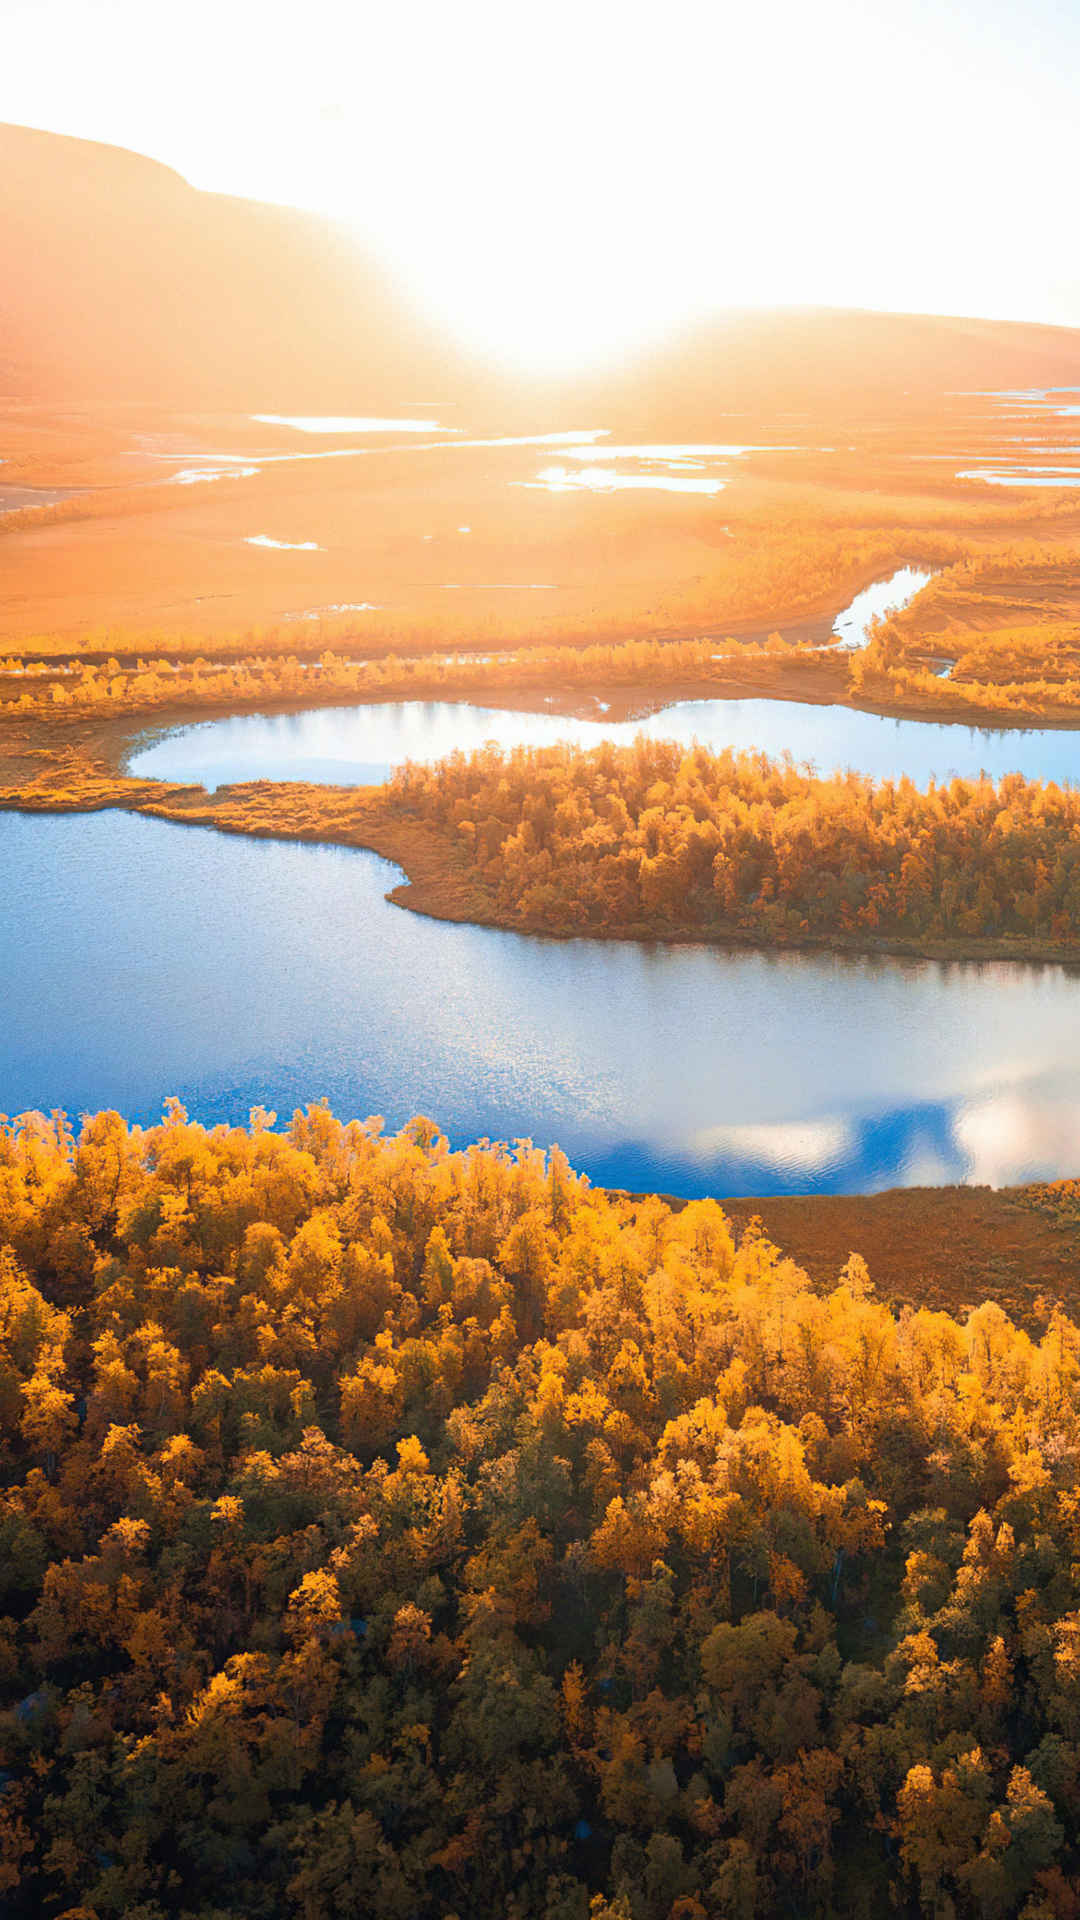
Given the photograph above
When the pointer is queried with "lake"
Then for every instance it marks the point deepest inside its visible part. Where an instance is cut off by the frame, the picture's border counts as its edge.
(360, 745)
(142, 958)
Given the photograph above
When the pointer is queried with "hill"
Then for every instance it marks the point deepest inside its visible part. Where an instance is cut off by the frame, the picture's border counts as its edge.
(829, 364)
(123, 283)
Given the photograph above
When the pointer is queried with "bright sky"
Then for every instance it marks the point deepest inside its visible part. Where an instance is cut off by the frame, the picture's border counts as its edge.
(562, 180)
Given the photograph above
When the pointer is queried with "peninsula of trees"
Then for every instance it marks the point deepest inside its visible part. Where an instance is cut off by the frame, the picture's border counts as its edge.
(658, 841)
(654, 838)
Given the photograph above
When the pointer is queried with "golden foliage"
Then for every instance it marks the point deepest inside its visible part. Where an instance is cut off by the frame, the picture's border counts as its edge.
(655, 1580)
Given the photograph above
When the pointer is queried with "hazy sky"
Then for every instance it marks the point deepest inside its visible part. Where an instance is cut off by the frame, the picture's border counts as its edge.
(562, 178)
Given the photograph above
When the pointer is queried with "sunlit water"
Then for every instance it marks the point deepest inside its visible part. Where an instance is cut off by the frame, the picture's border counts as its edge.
(141, 959)
(677, 467)
(1021, 477)
(612, 480)
(331, 609)
(287, 546)
(348, 423)
(1033, 400)
(681, 467)
(350, 746)
(243, 465)
(190, 476)
(852, 626)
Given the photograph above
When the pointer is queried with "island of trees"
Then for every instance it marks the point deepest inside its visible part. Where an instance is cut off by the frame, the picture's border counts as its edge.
(390, 1531)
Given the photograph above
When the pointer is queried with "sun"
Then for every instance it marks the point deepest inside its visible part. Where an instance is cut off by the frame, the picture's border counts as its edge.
(537, 303)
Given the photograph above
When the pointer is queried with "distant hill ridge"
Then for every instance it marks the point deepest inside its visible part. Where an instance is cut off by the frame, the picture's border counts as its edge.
(120, 282)
(804, 359)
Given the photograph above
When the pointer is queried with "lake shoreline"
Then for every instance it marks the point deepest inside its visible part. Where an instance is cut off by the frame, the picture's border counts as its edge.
(111, 740)
(432, 889)
(36, 777)
(437, 886)
(870, 1074)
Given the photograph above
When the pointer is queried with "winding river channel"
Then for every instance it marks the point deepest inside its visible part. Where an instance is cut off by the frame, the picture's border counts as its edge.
(142, 958)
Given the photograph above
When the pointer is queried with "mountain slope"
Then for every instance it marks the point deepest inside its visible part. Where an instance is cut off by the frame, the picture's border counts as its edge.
(121, 282)
(830, 362)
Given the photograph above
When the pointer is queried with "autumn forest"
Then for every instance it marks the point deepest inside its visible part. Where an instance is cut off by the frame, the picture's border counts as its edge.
(394, 1531)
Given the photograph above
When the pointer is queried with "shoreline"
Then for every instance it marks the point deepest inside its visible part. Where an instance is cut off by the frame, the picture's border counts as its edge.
(79, 763)
(437, 887)
(112, 739)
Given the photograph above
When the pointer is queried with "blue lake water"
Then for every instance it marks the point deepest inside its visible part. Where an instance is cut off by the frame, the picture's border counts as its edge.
(360, 745)
(141, 958)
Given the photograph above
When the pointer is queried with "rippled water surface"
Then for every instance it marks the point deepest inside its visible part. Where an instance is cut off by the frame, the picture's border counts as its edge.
(141, 958)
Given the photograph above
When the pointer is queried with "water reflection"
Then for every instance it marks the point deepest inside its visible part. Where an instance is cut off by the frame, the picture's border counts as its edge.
(852, 627)
(678, 467)
(330, 610)
(1032, 399)
(348, 423)
(356, 746)
(188, 476)
(685, 1070)
(1021, 477)
(681, 453)
(610, 480)
(287, 546)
